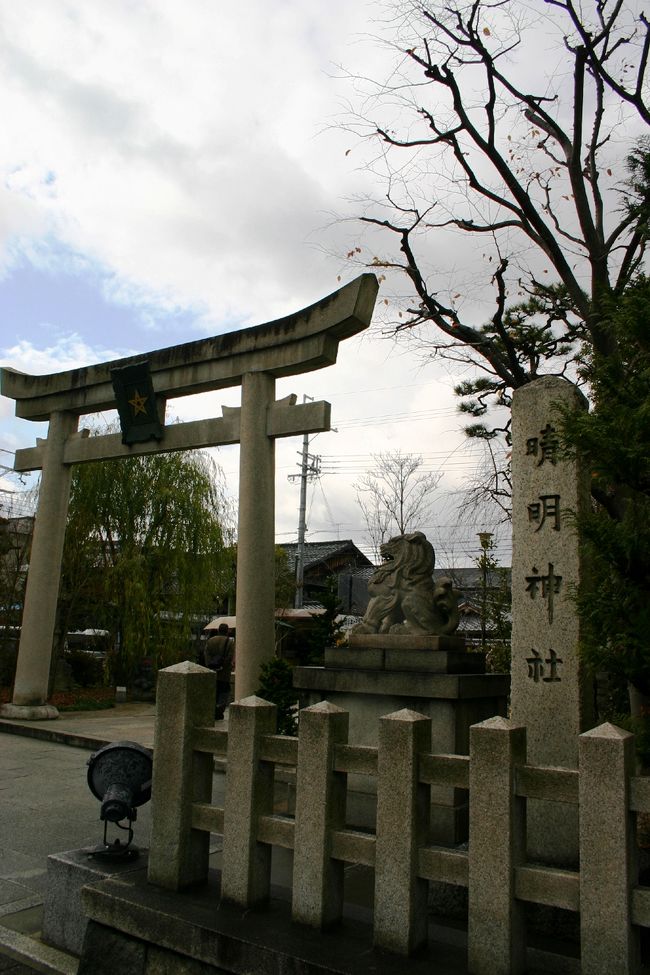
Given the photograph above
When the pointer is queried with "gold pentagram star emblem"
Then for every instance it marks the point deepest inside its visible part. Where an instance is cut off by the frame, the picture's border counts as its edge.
(138, 403)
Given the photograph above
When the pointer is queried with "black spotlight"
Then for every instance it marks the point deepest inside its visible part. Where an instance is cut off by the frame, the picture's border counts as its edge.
(119, 775)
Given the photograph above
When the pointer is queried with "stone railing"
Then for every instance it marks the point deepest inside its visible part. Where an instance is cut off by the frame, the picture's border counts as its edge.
(494, 868)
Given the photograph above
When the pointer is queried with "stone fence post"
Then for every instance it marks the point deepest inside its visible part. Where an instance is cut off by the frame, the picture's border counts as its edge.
(402, 821)
(178, 854)
(246, 872)
(320, 808)
(497, 845)
(608, 867)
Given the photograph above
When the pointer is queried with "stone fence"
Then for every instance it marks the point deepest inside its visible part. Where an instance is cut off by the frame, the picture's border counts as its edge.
(495, 870)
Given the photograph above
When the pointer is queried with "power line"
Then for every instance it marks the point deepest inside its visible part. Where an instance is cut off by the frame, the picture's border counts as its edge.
(384, 389)
(456, 469)
(378, 421)
(466, 446)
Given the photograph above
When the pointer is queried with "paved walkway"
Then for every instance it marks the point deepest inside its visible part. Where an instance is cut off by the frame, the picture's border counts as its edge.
(46, 807)
(92, 729)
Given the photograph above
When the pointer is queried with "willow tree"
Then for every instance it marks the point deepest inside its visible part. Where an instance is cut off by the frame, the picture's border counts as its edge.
(146, 551)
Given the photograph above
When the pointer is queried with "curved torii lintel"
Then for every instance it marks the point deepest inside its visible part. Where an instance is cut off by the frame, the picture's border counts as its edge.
(301, 342)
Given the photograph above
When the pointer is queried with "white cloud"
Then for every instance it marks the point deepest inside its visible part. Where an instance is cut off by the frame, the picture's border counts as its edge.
(68, 352)
(176, 145)
(182, 152)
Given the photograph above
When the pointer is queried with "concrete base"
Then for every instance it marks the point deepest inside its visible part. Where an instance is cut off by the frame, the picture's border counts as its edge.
(31, 955)
(143, 930)
(454, 702)
(64, 922)
(393, 652)
(406, 641)
(20, 712)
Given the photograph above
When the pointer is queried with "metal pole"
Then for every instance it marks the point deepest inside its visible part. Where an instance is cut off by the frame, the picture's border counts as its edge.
(484, 602)
(485, 539)
(302, 517)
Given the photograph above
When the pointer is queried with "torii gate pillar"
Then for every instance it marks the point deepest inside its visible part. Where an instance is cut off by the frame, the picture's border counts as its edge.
(42, 593)
(256, 533)
(252, 357)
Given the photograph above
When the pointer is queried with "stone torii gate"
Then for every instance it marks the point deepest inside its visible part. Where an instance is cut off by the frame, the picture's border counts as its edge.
(253, 358)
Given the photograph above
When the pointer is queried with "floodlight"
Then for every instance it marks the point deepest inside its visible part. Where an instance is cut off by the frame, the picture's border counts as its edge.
(119, 775)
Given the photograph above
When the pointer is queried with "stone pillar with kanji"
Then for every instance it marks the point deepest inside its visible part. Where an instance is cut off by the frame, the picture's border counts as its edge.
(550, 692)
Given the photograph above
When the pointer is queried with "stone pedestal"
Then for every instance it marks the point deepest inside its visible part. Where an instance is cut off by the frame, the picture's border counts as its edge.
(39, 712)
(378, 674)
(64, 920)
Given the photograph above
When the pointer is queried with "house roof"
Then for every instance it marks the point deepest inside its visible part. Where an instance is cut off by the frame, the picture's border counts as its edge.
(322, 552)
(464, 578)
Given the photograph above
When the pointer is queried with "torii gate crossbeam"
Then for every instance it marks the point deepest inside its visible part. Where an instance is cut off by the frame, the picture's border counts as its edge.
(252, 358)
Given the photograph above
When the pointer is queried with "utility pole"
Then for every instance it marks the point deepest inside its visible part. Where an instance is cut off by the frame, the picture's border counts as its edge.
(485, 539)
(309, 469)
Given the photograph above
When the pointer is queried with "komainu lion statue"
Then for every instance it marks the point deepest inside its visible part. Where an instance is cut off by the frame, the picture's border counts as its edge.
(403, 596)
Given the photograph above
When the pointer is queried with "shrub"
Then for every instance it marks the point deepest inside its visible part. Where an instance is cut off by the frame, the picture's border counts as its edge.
(276, 686)
(87, 670)
(8, 658)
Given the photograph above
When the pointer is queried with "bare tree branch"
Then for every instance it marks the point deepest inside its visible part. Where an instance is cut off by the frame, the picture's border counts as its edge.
(530, 165)
(395, 497)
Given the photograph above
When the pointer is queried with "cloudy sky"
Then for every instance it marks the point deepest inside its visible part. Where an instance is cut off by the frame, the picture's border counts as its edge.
(171, 171)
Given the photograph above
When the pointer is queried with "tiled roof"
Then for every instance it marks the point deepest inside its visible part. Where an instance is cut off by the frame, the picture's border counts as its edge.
(466, 578)
(316, 552)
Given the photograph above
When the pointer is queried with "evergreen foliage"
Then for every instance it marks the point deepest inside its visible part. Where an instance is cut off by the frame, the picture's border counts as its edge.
(324, 631)
(285, 582)
(276, 686)
(87, 670)
(614, 440)
(498, 602)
